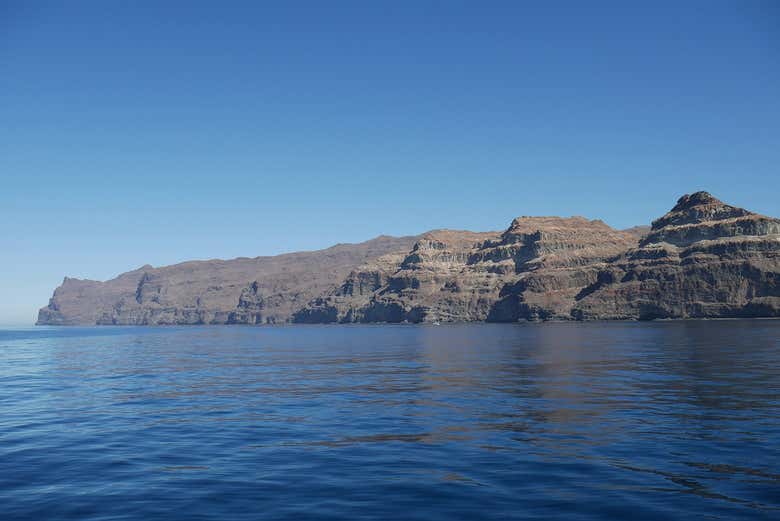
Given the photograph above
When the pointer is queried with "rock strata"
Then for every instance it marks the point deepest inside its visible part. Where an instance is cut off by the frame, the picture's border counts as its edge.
(703, 259)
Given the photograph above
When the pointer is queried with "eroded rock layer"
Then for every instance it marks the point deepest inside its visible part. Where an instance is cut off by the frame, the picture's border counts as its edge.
(703, 259)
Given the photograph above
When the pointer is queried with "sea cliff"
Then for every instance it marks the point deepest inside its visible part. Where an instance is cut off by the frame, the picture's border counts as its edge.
(703, 259)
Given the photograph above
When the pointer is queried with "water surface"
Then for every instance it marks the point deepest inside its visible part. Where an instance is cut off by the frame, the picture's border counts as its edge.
(668, 420)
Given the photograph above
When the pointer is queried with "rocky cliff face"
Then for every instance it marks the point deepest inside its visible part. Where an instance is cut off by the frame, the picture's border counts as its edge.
(702, 259)
(534, 270)
(428, 283)
(261, 290)
(553, 259)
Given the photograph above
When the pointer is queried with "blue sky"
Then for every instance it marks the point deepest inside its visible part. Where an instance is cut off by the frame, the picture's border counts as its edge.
(136, 132)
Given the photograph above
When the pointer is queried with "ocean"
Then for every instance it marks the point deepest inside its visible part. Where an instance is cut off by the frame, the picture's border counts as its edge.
(583, 421)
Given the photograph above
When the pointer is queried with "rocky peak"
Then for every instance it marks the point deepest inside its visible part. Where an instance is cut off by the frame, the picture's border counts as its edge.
(702, 217)
(696, 199)
(697, 208)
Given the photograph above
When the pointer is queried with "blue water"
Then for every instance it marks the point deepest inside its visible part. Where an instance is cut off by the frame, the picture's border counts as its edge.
(669, 420)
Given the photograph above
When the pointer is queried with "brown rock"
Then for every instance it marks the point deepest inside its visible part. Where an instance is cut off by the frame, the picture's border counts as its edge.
(704, 258)
(241, 291)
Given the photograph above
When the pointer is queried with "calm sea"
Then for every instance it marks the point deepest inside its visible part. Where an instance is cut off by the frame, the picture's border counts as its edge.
(668, 420)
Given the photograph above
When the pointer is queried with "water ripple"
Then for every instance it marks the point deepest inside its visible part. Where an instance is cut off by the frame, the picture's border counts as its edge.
(669, 420)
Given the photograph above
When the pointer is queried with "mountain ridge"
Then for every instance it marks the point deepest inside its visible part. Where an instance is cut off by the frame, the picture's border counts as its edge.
(702, 259)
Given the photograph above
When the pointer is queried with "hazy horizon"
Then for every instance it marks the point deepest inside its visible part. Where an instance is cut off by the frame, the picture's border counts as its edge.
(153, 134)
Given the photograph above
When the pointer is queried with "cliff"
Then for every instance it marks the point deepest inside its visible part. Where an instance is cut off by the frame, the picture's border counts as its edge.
(260, 290)
(704, 258)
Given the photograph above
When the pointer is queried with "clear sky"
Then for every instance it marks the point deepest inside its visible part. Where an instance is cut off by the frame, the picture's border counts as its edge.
(155, 132)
